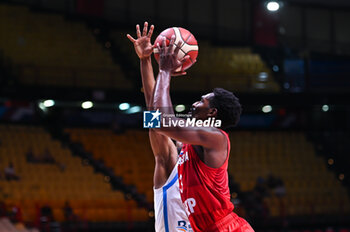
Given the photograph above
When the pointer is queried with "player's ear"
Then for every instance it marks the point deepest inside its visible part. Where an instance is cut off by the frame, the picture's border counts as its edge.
(212, 112)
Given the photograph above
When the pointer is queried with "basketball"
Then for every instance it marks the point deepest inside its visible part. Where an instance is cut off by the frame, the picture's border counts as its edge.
(189, 45)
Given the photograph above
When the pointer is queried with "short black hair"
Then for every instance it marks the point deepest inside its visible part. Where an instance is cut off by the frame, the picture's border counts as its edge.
(228, 107)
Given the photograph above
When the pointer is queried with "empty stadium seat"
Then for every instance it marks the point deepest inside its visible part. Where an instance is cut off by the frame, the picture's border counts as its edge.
(46, 49)
(47, 184)
(310, 187)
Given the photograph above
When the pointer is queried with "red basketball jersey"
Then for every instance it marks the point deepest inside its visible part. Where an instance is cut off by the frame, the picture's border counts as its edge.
(204, 190)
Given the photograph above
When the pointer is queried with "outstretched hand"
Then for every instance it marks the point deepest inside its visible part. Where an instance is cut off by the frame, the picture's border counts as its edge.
(142, 44)
(168, 60)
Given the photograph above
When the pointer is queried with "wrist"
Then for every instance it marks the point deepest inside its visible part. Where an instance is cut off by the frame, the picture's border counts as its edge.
(163, 71)
(148, 58)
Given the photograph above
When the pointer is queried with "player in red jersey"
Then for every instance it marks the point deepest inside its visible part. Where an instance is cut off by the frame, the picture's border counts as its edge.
(203, 161)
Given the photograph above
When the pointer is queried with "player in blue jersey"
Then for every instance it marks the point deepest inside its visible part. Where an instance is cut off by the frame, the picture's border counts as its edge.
(170, 214)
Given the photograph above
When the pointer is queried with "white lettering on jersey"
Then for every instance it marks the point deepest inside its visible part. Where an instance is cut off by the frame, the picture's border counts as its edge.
(190, 203)
(183, 158)
(181, 187)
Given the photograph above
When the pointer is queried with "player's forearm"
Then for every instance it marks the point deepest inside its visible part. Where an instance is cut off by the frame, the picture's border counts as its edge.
(159, 142)
(161, 145)
(147, 79)
(161, 95)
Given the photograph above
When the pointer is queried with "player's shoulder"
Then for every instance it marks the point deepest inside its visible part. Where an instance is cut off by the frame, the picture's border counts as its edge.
(210, 129)
(214, 131)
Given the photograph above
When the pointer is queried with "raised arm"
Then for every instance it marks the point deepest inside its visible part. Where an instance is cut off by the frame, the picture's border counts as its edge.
(144, 49)
(163, 148)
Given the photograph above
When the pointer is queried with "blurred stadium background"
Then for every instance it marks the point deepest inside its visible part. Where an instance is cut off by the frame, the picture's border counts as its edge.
(74, 155)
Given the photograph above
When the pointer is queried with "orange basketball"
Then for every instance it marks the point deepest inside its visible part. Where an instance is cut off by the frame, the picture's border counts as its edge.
(189, 45)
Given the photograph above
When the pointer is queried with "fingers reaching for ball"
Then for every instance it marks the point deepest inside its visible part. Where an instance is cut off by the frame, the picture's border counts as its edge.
(142, 42)
(144, 32)
(171, 44)
(178, 47)
(131, 38)
(180, 73)
(164, 44)
(145, 27)
(150, 32)
(184, 59)
(138, 32)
